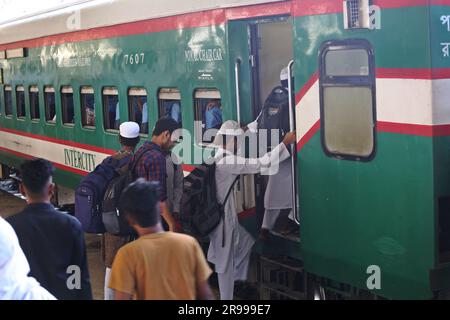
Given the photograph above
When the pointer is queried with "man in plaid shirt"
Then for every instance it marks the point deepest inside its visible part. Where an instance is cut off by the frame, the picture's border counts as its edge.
(152, 164)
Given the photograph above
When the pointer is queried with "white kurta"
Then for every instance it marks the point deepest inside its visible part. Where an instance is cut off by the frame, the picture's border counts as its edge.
(279, 188)
(238, 242)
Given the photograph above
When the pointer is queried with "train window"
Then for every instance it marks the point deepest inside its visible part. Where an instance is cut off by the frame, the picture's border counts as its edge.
(34, 102)
(67, 105)
(20, 101)
(347, 99)
(49, 101)
(111, 109)
(208, 114)
(8, 100)
(87, 107)
(348, 62)
(169, 104)
(138, 108)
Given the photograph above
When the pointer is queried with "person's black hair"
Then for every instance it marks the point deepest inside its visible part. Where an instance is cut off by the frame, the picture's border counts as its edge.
(140, 200)
(165, 124)
(129, 142)
(36, 174)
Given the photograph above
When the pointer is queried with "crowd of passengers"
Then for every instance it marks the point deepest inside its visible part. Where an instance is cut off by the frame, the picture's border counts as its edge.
(43, 250)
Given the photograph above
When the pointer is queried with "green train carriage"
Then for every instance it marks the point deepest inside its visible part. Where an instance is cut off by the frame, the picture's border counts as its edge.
(371, 116)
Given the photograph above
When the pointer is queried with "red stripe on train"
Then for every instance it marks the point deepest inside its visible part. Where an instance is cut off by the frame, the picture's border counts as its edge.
(58, 165)
(67, 143)
(413, 73)
(208, 18)
(183, 21)
(414, 129)
(304, 90)
(388, 73)
(390, 127)
(322, 7)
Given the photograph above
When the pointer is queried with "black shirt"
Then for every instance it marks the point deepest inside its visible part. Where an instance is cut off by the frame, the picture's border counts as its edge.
(52, 241)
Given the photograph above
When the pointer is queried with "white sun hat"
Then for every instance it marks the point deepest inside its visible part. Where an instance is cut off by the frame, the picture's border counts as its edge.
(228, 128)
(129, 130)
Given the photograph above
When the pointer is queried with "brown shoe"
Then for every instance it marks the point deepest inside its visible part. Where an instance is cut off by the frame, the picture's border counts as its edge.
(290, 228)
(264, 235)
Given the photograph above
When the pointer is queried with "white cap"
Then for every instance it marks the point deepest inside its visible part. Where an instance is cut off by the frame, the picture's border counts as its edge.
(129, 130)
(228, 128)
(284, 74)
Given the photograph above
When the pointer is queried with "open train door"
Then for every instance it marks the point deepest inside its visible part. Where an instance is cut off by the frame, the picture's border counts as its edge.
(259, 50)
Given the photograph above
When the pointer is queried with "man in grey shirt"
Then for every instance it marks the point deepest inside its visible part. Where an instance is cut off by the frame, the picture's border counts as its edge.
(174, 185)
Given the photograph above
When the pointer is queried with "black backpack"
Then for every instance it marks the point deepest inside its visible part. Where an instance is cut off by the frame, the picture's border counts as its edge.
(89, 193)
(275, 113)
(113, 219)
(201, 210)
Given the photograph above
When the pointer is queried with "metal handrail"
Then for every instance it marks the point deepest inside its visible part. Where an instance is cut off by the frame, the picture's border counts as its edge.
(293, 148)
(238, 94)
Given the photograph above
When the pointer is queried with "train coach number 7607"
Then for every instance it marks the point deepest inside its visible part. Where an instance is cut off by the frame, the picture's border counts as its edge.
(134, 58)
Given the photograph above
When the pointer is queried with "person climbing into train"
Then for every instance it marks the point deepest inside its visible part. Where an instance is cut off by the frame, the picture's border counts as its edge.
(53, 241)
(152, 164)
(230, 243)
(15, 284)
(159, 265)
(128, 139)
(275, 115)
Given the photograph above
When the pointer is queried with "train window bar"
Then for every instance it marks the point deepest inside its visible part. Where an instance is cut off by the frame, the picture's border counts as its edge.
(67, 105)
(207, 115)
(20, 101)
(169, 104)
(111, 109)
(87, 104)
(34, 102)
(49, 102)
(348, 99)
(169, 94)
(8, 100)
(138, 108)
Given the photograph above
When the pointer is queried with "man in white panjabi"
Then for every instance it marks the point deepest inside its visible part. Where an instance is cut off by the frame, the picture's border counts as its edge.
(231, 244)
(277, 199)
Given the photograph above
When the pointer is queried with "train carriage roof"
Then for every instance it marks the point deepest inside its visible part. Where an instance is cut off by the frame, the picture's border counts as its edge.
(108, 13)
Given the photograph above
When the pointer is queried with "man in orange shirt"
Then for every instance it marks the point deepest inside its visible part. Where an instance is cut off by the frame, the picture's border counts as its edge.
(159, 265)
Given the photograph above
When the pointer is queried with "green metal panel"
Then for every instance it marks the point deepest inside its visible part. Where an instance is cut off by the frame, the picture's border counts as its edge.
(168, 63)
(355, 214)
(239, 48)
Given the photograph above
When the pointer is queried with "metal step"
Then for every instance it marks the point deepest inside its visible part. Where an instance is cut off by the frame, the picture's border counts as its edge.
(282, 277)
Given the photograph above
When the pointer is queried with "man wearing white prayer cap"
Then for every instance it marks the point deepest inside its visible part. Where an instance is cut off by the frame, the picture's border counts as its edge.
(129, 138)
(231, 244)
(129, 130)
(276, 199)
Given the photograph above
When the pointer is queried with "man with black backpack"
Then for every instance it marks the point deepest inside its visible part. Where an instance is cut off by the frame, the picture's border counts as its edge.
(231, 244)
(275, 116)
(90, 193)
(150, 163)
(129, 139)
